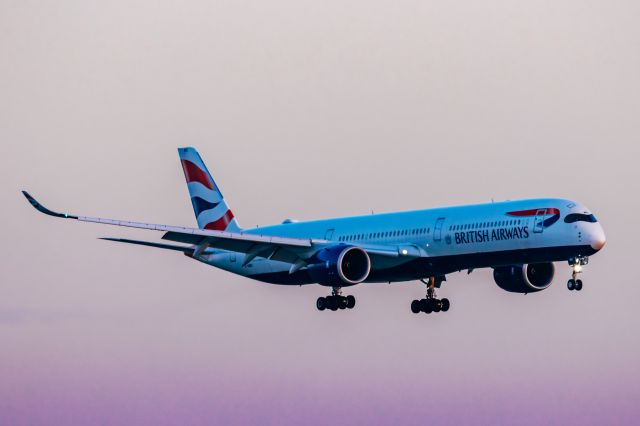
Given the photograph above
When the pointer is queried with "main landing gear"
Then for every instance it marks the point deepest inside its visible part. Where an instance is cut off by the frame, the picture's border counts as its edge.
(576, 265)
(431, 303)
(336, 301)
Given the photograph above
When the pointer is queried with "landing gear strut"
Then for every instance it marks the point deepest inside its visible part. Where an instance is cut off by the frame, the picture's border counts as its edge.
(576, 264)
(431, 303)
(336, 301)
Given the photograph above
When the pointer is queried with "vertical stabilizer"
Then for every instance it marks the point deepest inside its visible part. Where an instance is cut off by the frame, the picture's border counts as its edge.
(209, 206)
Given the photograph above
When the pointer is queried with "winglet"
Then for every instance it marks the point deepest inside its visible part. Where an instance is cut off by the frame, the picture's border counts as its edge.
(45, 210)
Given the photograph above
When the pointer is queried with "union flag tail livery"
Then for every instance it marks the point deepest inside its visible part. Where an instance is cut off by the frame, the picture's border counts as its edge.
(209, 206)
(519, 240)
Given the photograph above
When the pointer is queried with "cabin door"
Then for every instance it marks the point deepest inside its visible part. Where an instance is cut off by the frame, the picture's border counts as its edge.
(329, 234)
(538, 221)
(437, 230)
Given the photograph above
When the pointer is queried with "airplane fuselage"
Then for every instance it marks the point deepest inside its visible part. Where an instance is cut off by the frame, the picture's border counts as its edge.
(439, 241)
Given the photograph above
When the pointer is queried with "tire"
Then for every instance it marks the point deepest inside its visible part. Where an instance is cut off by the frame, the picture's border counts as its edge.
(321, 303)
(333, 303)
(415, 307)
(437, 306)
(342, 303)
(571, 285)
(445, 304)
(351, 302)
(427, 306)
(578, 285)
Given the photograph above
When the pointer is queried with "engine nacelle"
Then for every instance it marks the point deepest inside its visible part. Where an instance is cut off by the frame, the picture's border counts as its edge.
(527, 278)
(339, 266)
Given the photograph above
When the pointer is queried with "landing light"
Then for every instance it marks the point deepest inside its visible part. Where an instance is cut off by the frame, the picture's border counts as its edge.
(404, 252)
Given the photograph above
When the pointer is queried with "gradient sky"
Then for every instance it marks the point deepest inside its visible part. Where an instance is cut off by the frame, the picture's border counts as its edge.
(309, 109)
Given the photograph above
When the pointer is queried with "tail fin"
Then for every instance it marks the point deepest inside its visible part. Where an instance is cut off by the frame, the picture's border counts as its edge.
(212, 211)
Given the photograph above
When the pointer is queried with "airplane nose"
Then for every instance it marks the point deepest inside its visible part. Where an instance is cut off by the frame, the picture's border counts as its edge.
(598, 240)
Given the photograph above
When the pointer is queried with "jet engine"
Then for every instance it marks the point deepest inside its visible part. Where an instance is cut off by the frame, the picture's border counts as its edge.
(339, 266)
(527, 278)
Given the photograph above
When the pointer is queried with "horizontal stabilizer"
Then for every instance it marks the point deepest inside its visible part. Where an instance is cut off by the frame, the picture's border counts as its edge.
(150, 244)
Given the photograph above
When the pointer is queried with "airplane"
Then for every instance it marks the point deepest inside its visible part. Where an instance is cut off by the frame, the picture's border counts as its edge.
(519, 240)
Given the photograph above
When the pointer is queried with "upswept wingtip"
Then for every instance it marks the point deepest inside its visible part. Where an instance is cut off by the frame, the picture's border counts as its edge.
(43, 209)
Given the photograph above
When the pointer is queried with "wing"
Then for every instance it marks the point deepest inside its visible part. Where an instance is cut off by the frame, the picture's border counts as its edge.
(291, 250)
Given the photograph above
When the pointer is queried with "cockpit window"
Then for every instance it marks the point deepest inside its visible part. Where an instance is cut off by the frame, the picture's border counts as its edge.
(579, 217)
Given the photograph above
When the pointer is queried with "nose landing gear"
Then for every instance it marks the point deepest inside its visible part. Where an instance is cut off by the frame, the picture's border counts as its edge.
(576, 265)
(431, 303)
(336, 301)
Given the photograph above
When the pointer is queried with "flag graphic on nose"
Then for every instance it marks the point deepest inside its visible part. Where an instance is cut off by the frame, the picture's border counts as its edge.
(551, 214)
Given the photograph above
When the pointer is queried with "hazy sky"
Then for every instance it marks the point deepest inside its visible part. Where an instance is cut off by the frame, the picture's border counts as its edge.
(309, 109)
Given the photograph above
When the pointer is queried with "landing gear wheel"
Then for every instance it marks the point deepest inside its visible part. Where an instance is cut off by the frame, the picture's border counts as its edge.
(427, 306)
(578, 285)
(342, 302)
(415, 307)
(333, 303)
(351, 302)
(437, 306)
(445, 304)
(571, 284)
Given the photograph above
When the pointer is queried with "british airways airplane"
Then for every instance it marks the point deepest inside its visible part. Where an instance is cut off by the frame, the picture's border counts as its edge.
(520, 240)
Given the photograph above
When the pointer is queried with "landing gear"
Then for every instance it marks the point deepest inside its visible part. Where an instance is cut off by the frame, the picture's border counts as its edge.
(431, 303)
(574, 284)
(336, 301)
(576, 268)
